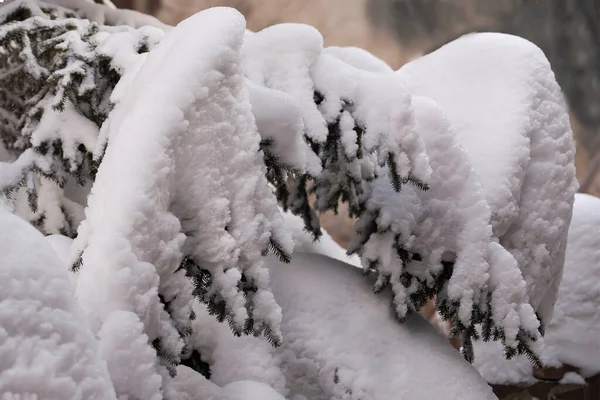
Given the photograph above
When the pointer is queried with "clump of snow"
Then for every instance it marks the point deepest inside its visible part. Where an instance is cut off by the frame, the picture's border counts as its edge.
(186, 171)
(190, 385)
(572, 335)
(355, 119)
(107, 15)
(304, 242)
(46, 349)
(281, 127)
(375, 358)
(359, 58)
(250, 390)
(61, 246)
(233, 358)
(300, 46)
(509, 115)
(131, 362)
(572, 378)
(451, 222)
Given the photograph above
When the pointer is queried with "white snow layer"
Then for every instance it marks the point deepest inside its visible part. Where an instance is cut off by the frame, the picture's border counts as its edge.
(46, 349)
(234, 358)
(183, 175)
(508, 112)
(291, 58)
(376, 357)
(572, 336)
(305, 242)
(449, 222)
(250, 390)
(358, 58)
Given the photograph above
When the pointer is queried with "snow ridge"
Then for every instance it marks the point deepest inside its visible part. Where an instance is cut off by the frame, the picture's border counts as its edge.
(185, 172)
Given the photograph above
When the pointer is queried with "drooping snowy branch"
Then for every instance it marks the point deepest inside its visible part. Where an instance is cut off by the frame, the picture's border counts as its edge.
(571, 337)
(440, 242)
(523, 154)
(182, 191)
(488, 239)
(56, 79)
(355, 120)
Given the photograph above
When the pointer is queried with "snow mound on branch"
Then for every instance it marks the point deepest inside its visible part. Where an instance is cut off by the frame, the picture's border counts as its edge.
(449, 222)
(61, 246)
(279, 121)
(106, 15)
(365, 362)
(46, 349)
(190, 385)
(359, 58)
(180, 177)
(281, 57)
(250, 390)
(233, 358)
(304, 242)
(572, 336)
(355, 120)
(509, 115)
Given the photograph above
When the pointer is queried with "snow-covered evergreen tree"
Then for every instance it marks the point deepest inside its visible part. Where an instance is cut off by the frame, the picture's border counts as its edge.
(191, 136)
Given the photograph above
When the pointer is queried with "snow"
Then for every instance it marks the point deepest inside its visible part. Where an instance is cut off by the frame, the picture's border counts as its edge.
(187, 171)
(191, 385)
(369, 111)
(449, 222)
(279, 119)
(384, 362)
(263, 55)
(233, 358)
(104, 15)
(61, 246)
(304, 242)
(572, 335)
(381, 104)
(250, 390)
(46, 350)
(572, 378)
(525, 160)
(359, 58)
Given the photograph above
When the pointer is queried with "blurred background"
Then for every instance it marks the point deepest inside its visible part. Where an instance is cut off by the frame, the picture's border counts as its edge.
(568, 31)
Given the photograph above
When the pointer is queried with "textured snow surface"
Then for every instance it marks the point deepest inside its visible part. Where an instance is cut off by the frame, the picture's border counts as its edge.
(358, 58)
(61, 246)
(508, 113)
(46, 349)
(180, 176)
(105, 15)
(305, 242)
(250, 390)
(290, 58)
(449, 222)
(279, 119)
(573, 335)
(234, 358)
(376, 357)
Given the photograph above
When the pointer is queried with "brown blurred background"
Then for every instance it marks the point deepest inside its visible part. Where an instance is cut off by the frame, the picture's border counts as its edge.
(399, 30)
